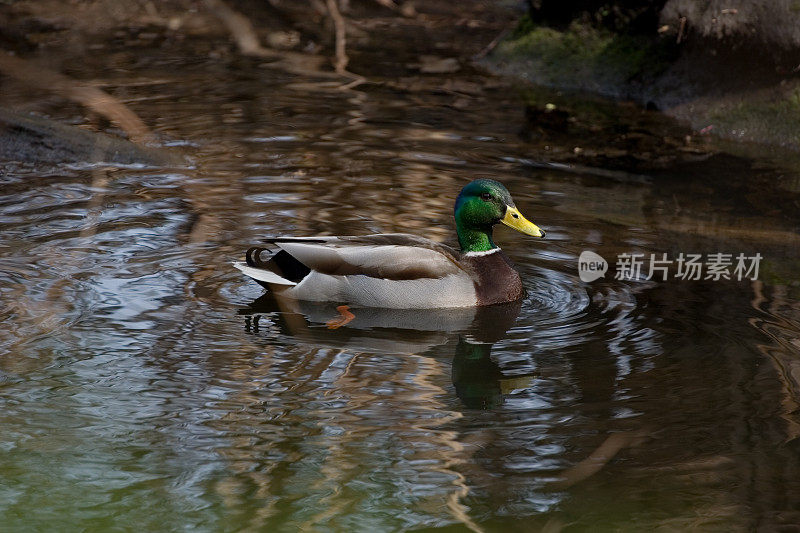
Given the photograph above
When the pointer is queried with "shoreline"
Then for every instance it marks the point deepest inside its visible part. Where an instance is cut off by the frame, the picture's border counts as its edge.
(733, 92)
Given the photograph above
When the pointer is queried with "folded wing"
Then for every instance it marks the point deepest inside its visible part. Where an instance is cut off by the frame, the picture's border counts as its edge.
(393, 256)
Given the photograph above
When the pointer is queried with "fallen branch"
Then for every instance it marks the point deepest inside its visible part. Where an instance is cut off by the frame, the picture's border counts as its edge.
(87, 95)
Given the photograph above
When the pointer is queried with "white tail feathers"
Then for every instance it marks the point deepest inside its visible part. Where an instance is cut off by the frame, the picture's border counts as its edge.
(261, 274)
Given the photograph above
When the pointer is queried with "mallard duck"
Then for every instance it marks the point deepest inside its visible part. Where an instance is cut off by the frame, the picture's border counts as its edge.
(402, 271)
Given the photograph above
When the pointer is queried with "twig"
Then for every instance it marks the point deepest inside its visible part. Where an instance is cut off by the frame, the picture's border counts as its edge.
(243, 33)
(492, 45)
(406, 9)
(681, 28)
(241, 29)
(299, 63)
(388, 3)
(87, 95)
(610, 447)
(340, 64)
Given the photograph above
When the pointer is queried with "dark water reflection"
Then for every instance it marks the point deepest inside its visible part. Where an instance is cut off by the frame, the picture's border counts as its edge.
(141, 384)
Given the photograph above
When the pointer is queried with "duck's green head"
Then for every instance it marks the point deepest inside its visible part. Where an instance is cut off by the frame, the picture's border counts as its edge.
(482, 204)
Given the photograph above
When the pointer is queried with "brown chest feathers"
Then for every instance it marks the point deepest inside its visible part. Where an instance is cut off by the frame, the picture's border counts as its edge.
(496, 281)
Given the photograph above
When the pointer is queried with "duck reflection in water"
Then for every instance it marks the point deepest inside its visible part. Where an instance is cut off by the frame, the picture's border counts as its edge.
(479, 382)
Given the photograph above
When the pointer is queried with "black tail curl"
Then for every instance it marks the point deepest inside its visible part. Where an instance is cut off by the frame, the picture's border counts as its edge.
(281, 263)
(253, 257)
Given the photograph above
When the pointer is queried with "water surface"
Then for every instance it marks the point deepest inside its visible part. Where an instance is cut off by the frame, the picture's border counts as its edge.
(144, 381)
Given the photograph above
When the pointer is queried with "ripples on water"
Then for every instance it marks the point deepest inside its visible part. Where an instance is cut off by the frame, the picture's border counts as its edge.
(142, 383)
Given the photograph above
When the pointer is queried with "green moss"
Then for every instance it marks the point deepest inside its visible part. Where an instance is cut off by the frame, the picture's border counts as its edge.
(622, 66)
(579, 43)
(595, 111)
(774, 119)
(583, 56)
(782, 272)
(525, 26)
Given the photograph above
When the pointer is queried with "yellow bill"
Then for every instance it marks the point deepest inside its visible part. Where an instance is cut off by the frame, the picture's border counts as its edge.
(514, 219)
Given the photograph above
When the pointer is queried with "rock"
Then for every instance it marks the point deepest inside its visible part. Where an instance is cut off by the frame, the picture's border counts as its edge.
(34, 139)
(733, 65)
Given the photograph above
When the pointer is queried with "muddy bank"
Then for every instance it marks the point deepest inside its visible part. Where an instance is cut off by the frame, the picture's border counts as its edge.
(432, 49)
(728, 69)
(61, 63)
(428, 50)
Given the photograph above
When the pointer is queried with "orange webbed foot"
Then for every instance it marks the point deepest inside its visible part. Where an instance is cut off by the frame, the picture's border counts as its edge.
(345, 318)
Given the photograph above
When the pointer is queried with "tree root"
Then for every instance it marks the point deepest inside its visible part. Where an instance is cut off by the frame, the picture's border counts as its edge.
(340, 64)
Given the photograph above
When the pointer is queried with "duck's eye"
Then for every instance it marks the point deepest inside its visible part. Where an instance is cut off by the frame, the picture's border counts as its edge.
(486, 196)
